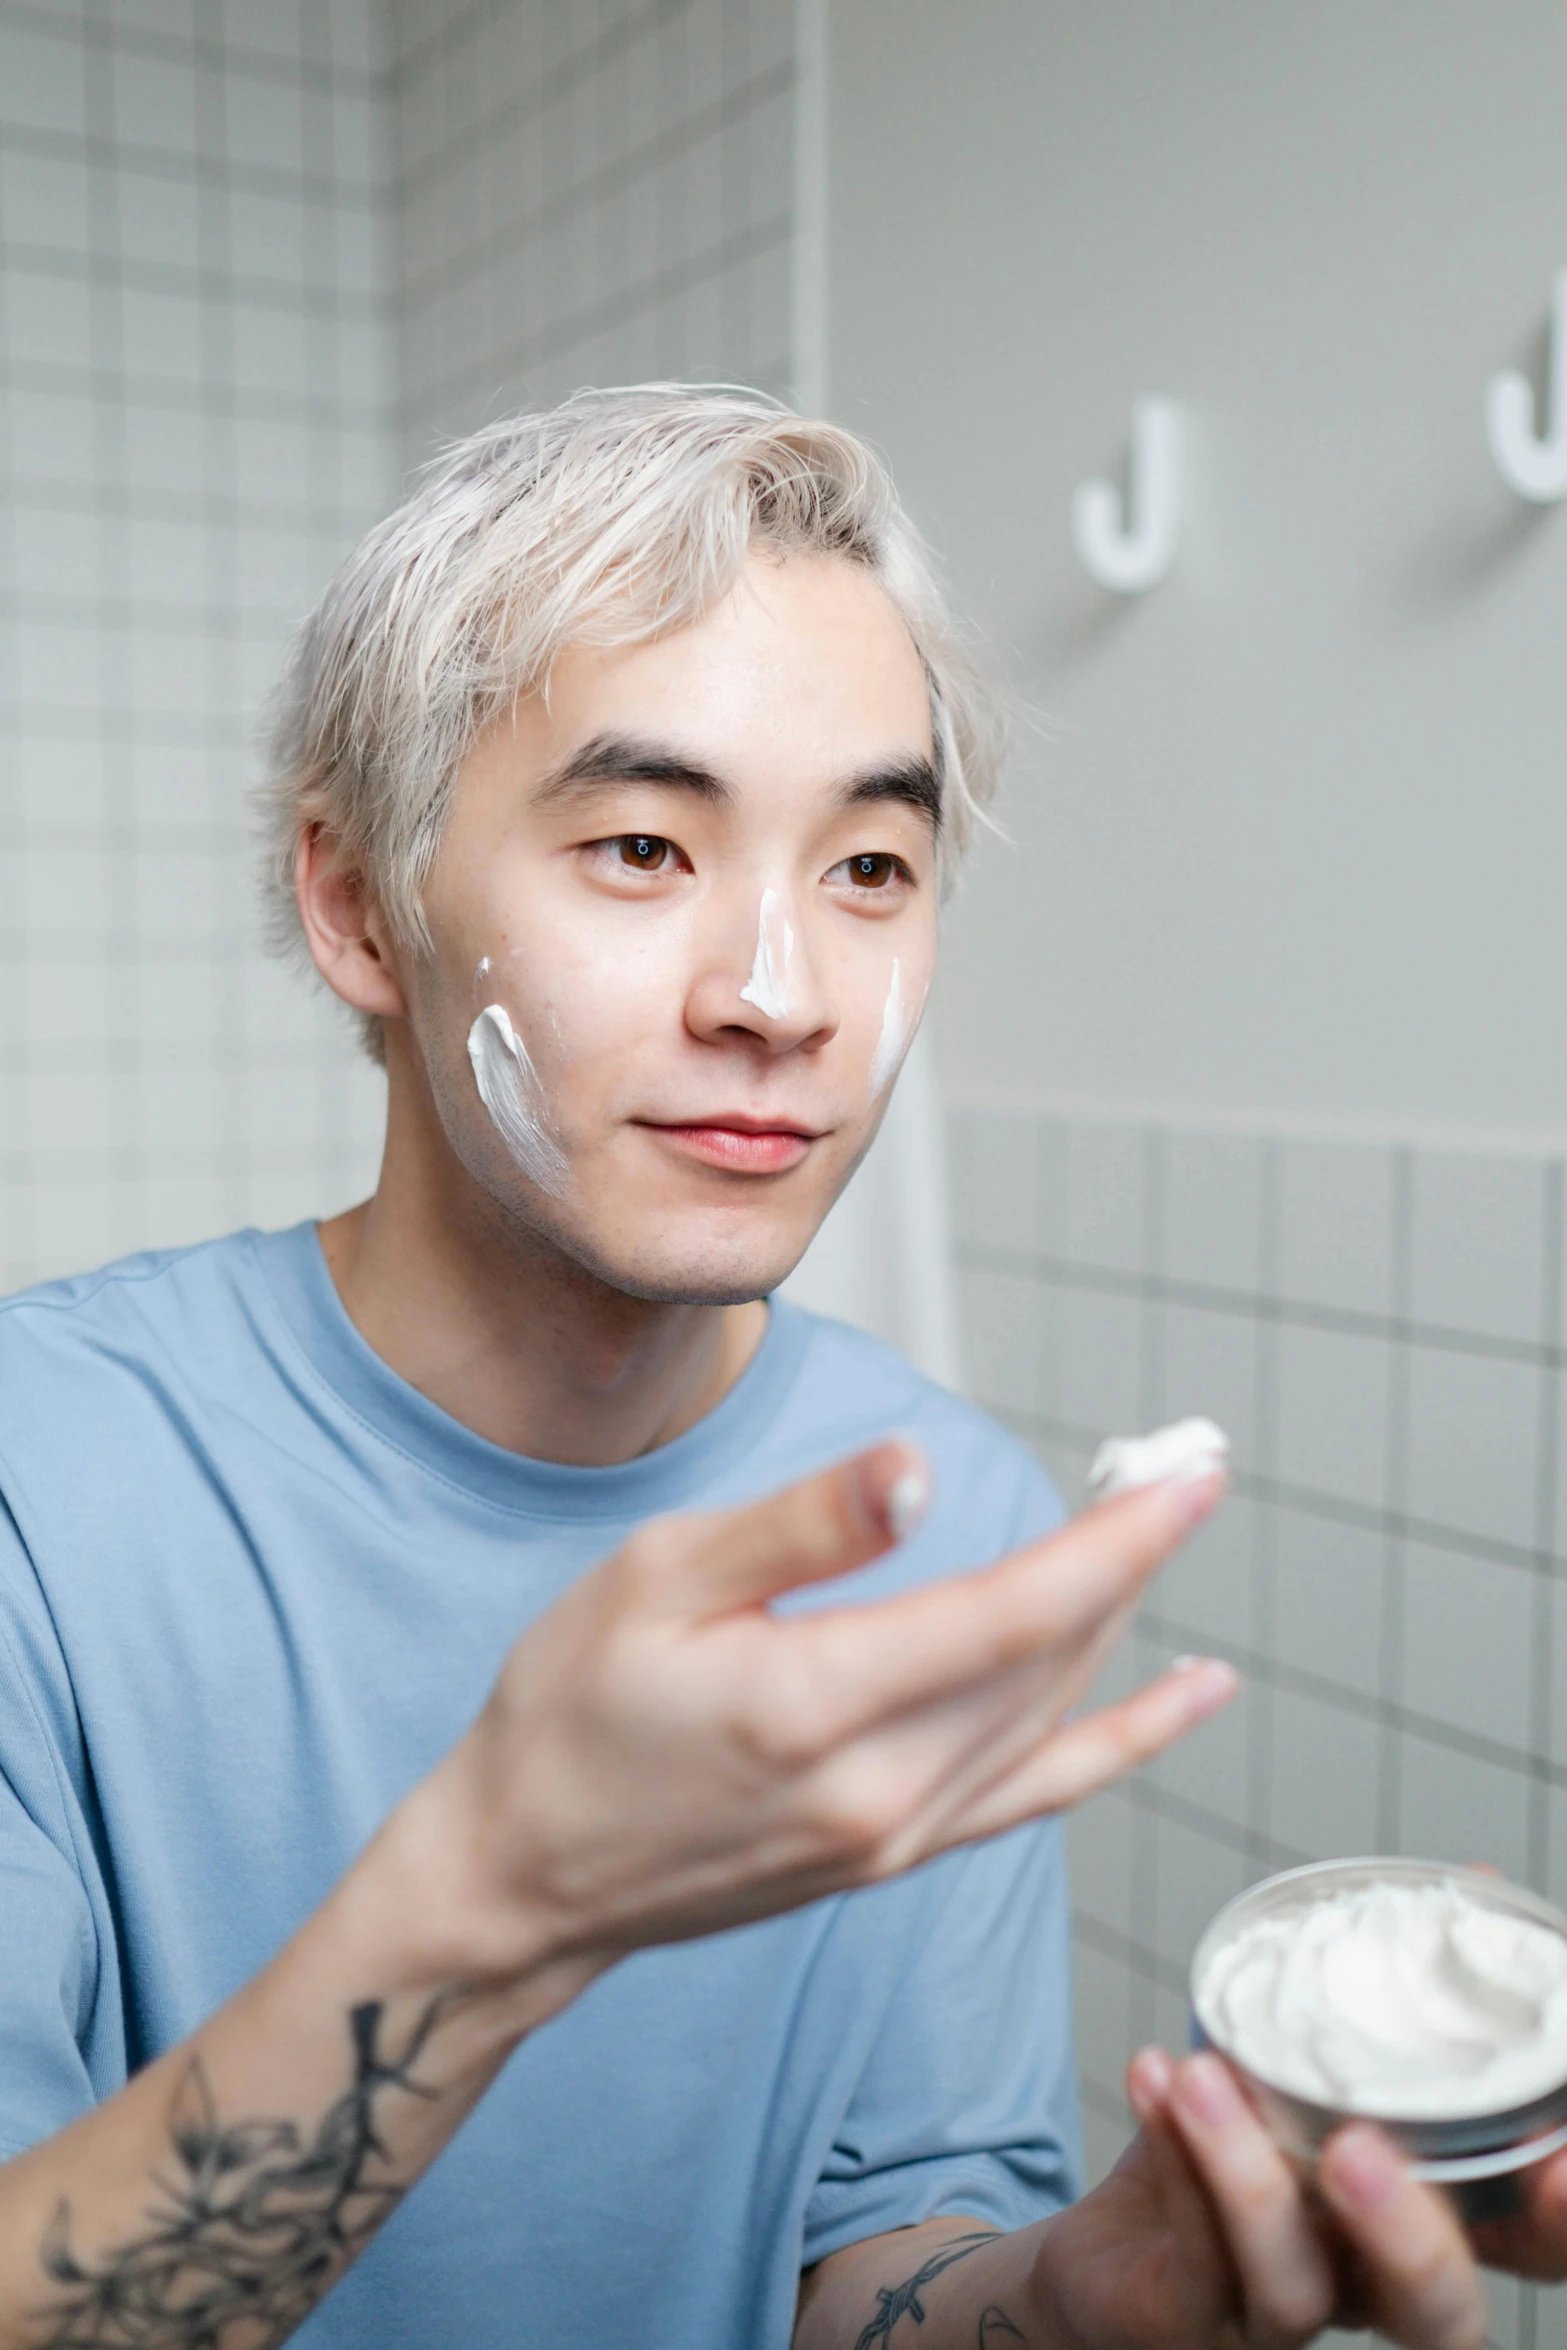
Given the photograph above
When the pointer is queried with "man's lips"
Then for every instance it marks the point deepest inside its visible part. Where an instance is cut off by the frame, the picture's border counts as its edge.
(741, 1145)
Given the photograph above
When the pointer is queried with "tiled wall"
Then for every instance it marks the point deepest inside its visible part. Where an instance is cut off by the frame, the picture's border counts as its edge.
(592, 191)
(1380, 1329)
(219, 314)
(195, 421)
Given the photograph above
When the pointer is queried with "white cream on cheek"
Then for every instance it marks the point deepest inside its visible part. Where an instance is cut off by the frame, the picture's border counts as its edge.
(510, 1090)
(893, 1042)
(768, 986)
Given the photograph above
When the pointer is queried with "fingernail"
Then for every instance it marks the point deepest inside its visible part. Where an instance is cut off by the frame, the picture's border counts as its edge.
(1196, 1494)
(1362, 2166)
(1148, 2079)
(907, 1500)
(1208, 1682)
(1204, 2087)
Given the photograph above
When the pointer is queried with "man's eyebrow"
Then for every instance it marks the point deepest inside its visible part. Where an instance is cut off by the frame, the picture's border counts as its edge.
(620, 758)
(913, 780)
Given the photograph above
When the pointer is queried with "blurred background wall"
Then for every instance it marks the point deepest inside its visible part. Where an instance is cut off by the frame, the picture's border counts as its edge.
(1251, 1035)
(1255, 1032)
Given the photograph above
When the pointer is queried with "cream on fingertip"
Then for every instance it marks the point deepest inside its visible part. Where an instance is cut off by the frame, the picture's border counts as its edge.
(907, 1501)
(1188, 1452)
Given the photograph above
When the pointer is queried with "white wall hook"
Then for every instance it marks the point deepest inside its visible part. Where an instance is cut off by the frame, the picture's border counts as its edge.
(1128, 557)
(1533, 465)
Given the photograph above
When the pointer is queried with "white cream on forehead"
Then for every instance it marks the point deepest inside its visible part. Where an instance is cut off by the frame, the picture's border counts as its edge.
(893, 1041)
(768, 985)
(510, 1090)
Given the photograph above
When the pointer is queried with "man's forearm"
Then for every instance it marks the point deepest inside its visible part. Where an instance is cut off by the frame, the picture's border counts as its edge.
(952, 2284)
(217, 2197)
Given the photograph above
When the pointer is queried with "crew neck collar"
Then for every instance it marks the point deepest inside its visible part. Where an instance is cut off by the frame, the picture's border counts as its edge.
(296, 1274)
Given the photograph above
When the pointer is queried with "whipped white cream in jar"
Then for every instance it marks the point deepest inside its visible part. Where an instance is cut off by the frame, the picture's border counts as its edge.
(1433, 1999)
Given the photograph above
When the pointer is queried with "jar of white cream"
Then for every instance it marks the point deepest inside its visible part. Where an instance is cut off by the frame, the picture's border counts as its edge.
(1431, 1999)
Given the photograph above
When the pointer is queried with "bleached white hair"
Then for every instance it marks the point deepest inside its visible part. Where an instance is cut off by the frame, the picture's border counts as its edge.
(613, 518)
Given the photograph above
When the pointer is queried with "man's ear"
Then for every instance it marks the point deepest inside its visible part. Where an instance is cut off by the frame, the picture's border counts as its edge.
(344, 927)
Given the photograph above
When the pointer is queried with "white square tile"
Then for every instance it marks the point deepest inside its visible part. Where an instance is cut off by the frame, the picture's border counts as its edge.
(1468, 1642)
(157, 218)
(1193, 1878)
(1104, 1186)
(56, 668)
(42, 87)
(1210, 1370)
(56, 552)
(1478, 1241)
(1210, 1767)
(49, 317)
(167, 561)
(269, 349)
(271, 28)
(43, 201)
(163, 457)
(1323, 1778)
(1099, 1849)
(1100, 1361)
(263, 123)
(51, 437)
(1206, 1588)
(1213, 1209)
(1103, 2017)
(266, 235)
(1336, 1224)
(161, 337)
(1333, 1395)
(1004, 1338)
(1454, 1807)
(1473, 1444)
(1327, 1599)
(155, 102)
(996, 1178)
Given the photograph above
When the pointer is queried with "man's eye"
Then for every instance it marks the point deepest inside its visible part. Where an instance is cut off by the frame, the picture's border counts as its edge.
(644, 852)
(873, 872)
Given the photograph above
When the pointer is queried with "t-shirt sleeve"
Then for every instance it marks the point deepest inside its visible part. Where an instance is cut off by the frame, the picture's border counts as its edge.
(968, 2101)
(48, 1966)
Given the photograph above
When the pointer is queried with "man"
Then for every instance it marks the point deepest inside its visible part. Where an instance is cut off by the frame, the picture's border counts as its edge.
(428, 1764)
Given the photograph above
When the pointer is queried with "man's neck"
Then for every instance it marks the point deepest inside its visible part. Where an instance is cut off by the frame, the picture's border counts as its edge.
(511, 1338)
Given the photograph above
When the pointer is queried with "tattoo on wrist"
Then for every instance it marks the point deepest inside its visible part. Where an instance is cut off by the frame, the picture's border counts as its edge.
(255, 2222)
(894, 2302)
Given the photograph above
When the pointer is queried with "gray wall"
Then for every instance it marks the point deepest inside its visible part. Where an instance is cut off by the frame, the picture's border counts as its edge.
(1257, 1028)
(1289, 838)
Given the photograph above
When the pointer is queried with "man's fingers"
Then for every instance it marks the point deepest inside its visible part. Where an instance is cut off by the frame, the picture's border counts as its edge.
(1531, 2242)
(1053, 1598)
(1424, 2286)
(1073, 1763)
(827, 1525)
(1286, 2277)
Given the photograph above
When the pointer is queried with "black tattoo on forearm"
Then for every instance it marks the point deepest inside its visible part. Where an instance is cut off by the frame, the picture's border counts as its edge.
(996, 2326)
(254, 2226)
(897, 2301)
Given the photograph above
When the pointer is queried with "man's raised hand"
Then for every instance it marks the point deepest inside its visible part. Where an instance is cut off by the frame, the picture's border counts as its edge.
(665, 1755)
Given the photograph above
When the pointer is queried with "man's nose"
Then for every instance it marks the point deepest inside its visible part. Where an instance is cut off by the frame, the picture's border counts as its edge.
(763, 980)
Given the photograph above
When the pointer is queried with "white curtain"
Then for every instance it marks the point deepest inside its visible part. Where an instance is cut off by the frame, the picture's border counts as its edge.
(883, 1259)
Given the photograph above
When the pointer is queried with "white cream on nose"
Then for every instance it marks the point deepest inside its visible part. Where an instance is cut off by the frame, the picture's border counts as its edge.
(768, 986)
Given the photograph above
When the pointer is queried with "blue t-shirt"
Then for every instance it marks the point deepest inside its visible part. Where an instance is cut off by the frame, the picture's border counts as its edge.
(253, 1586)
